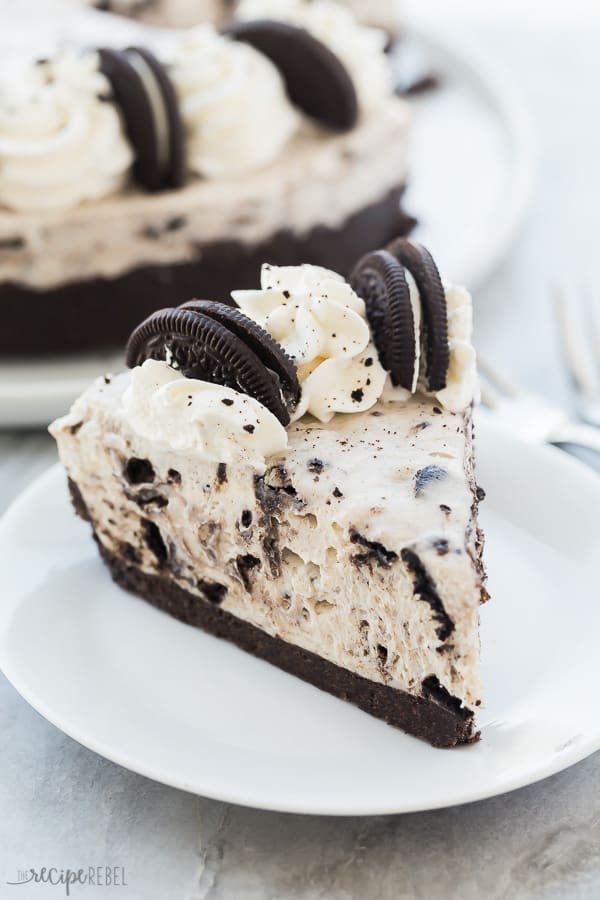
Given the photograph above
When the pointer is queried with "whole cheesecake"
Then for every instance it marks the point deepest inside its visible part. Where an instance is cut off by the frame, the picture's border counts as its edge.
(297, 476)
(183, 13)
(132, 179)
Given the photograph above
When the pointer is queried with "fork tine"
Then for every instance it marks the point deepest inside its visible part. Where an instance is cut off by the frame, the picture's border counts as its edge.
(501, 384)
(594, 310)
(490, 396)
(576, 343)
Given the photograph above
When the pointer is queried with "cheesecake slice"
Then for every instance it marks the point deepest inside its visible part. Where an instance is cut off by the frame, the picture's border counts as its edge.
(343, 547)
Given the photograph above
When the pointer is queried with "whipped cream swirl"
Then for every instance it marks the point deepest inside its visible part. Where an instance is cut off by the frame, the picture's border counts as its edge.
(361, 49)
(233, 103)
(321, 323)
(213, 422)
(462, 383)
(61, 143)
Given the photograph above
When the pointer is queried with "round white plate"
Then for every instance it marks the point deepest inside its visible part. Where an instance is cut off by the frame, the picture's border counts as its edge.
(187, 709)
(34, 392)
(471, 174)
(472, 168)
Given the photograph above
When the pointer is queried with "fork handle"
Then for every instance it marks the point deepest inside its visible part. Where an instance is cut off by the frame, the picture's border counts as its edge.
(574, 433)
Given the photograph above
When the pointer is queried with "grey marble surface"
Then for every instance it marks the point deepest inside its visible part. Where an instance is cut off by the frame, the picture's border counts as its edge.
(62, 805)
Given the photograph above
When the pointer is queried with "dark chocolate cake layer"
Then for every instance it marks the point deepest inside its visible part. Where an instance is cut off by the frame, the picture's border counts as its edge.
(99, 313)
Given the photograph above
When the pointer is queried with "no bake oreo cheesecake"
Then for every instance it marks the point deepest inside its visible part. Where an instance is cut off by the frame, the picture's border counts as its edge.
(296, 475)
(131, 178)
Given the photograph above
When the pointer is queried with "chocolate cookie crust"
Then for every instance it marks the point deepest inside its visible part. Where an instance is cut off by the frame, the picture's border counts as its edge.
(102, 312)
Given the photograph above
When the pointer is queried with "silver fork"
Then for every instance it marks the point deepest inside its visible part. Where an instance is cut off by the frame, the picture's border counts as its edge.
(578, 322)
(530, 416)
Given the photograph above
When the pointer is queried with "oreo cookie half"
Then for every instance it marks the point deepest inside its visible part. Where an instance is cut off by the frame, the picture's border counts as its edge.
(270, 353)
(147, 98)
(315, 78)
(423, 269)
(380, 280)
(201, 347)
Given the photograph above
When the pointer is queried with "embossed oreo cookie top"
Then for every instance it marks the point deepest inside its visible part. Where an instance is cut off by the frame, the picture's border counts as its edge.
(419, 262)
(421, 326)
(381, 281)
(213, 343)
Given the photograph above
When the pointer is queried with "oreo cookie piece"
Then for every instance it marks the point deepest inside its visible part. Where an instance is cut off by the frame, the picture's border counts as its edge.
(380, 280)
(423, 269)
(271, 354)
(146, 96)
(201, 347)
(315, 78)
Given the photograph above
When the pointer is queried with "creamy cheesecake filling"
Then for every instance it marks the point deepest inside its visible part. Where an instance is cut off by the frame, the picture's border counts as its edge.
(330, 549)
(323, 180)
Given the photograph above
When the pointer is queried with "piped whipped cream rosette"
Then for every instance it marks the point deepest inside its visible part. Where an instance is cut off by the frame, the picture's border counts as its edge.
(61, 143)
(321, 324)
(233, 103)
(214, 421)
(208, 378)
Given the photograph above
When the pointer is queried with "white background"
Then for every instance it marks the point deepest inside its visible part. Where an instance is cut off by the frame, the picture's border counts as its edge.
(540, 11)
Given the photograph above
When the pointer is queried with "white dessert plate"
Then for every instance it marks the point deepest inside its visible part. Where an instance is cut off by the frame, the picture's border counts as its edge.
(192, 711)
(471, 175)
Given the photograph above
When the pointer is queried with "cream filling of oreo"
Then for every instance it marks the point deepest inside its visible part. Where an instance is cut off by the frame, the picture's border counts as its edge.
(158, 107)
(415, 302)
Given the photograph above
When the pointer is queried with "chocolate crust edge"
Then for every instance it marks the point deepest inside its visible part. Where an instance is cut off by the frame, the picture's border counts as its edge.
(100, 313)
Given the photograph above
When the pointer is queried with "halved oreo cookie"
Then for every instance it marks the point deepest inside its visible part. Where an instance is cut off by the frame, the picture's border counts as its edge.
(379, 279)
(423, 269)
(146, 96)
(315, 78)
(201, 347)
(270, 353)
